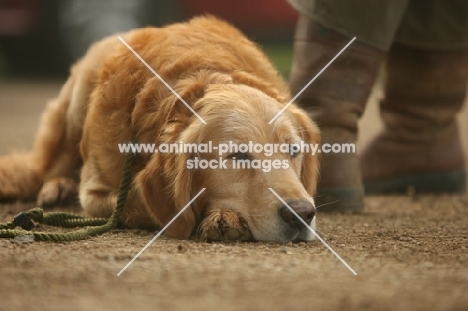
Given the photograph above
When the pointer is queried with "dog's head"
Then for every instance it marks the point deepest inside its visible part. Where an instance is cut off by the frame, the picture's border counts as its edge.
(236, 179)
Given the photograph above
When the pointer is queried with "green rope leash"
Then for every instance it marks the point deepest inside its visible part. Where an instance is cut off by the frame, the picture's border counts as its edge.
(92, 226)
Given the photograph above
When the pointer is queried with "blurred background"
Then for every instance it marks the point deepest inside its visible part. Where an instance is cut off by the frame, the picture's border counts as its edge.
(41, 38)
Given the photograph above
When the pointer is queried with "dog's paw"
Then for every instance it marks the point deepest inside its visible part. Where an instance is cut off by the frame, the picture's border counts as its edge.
(57, 191)
(224, 225)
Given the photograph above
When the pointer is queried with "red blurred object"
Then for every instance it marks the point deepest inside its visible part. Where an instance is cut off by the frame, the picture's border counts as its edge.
(18, 17)
(246, 14)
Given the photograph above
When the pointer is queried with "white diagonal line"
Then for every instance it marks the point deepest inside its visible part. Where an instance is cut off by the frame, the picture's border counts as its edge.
(160, 232)
(310, 82)
(315, 233)
(162, 80)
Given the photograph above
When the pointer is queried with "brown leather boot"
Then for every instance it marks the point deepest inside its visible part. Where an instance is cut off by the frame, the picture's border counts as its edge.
(336, 101)
(419, 148)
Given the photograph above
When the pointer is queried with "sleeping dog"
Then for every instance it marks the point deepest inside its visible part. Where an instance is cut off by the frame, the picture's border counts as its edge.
(111, 97)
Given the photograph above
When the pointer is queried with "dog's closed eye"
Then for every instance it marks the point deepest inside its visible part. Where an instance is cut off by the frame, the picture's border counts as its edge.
(294, 150)
(239, 156)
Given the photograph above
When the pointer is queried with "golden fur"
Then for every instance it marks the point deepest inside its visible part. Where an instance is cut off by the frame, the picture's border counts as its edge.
(111, 97)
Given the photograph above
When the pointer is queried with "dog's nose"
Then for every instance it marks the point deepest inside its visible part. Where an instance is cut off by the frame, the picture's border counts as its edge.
(303, 209)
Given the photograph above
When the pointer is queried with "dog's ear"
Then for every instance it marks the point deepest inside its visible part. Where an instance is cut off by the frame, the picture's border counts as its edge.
(310, 135)
(165, 189)
(166, 183)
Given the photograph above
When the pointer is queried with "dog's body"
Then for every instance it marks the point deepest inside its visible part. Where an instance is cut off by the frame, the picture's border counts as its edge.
(112, 98)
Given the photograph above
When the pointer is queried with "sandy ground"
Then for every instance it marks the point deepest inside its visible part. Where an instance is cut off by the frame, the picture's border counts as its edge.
(410, 253)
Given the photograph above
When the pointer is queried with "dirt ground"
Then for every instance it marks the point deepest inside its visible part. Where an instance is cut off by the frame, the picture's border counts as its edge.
(410, 253)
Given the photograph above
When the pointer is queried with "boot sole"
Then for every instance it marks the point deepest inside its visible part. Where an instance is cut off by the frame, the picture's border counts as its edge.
(348, 200)
(450, 182)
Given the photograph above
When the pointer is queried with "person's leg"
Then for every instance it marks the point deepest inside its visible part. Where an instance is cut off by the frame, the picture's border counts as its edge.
(336, 100)
(419, 148)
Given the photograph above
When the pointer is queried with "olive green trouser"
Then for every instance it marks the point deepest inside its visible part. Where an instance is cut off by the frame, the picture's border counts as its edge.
(428, 24)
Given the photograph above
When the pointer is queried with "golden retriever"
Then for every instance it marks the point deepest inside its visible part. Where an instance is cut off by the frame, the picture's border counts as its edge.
(111, 97)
